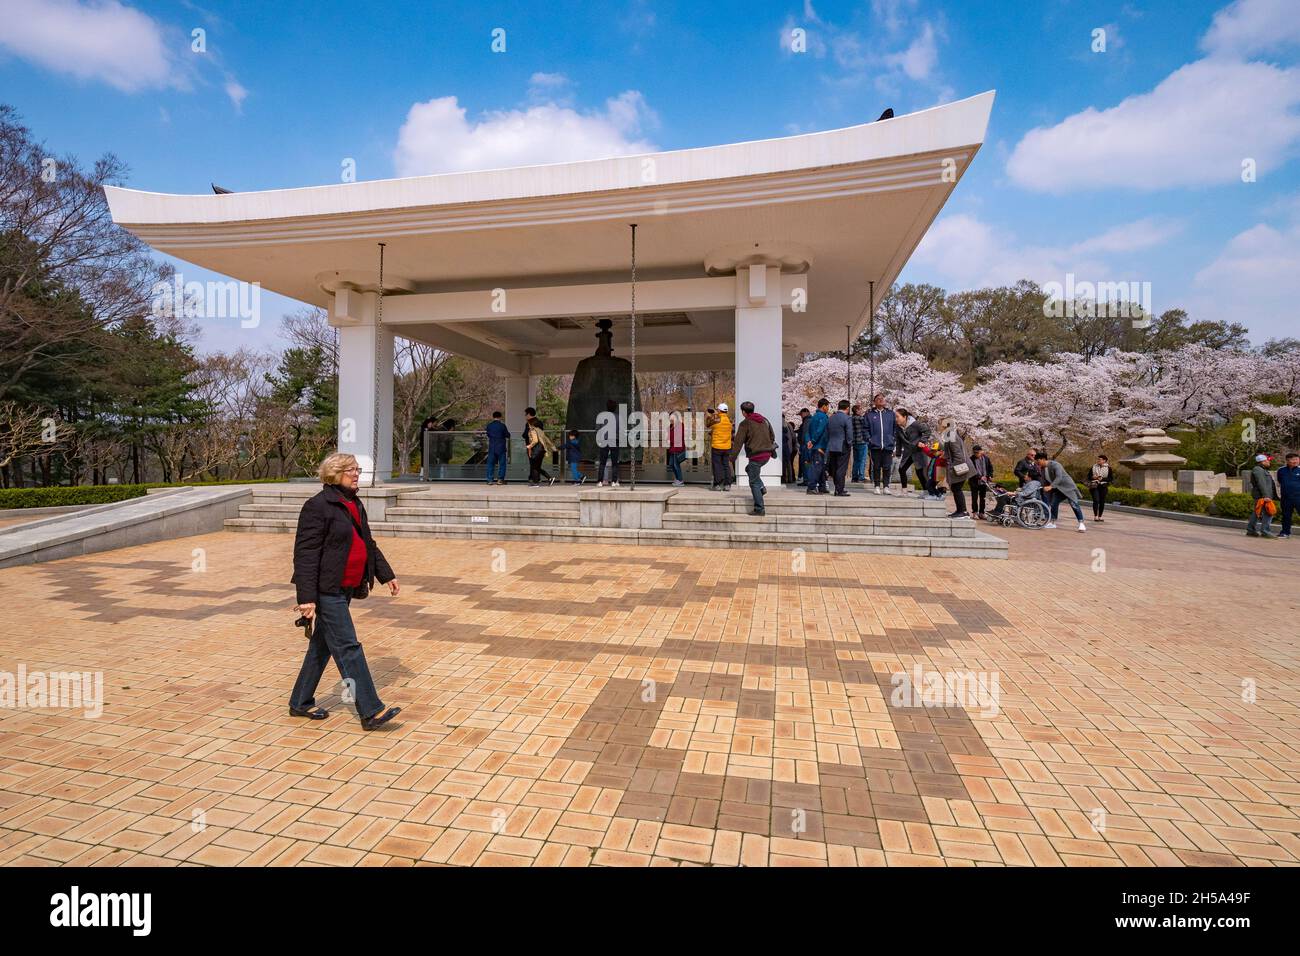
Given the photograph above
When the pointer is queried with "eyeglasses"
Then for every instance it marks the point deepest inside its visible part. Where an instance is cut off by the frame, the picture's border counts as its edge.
(352, 470)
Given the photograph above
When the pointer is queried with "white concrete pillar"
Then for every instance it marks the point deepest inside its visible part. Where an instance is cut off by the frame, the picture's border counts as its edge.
(758, 354)
(517, 396)
(363, 352)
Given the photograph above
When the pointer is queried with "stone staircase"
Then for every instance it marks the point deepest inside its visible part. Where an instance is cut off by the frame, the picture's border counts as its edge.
(686, 517)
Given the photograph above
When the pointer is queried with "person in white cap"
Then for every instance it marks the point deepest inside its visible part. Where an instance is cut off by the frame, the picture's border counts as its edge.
(719, 424)
(1263, 489)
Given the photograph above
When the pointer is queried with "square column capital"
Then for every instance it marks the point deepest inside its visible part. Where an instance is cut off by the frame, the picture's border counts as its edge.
(351, 308)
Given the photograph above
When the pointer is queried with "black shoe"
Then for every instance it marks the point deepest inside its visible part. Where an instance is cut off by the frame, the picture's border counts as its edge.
(813, 491)
(312, 713)
(842, 494)
(371, 723)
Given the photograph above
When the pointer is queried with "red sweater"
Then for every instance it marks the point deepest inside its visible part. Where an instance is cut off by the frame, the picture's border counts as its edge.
(355, 568)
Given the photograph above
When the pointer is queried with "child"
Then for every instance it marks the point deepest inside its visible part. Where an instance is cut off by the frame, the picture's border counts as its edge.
(573, 454)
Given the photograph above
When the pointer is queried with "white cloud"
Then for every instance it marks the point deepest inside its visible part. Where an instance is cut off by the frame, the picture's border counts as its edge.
(437, 136)
(971, 254)
(548, 80)
(103, 41)
(1194, 128)
(895, 49)
(891, 14)
(1247, 27)
(237, 93)
(1130, 237)
(1255, 280)
(920, 58)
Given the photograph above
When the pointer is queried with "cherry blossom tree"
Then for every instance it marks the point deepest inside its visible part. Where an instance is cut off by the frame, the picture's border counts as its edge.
(1074, 402)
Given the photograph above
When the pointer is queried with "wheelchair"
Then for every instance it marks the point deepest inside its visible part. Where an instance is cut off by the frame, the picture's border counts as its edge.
(1025, 511)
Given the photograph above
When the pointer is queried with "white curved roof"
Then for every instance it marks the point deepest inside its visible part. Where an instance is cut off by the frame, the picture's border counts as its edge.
(859, 198)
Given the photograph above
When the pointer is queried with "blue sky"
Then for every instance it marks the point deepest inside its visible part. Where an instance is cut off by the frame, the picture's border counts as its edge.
(1119, 164)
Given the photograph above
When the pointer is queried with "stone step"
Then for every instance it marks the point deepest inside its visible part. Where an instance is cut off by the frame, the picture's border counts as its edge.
(857, 506)
(263, 509)
(502, 498)
(540, 517)
(819, 524)
(978, 545)
(278, 525)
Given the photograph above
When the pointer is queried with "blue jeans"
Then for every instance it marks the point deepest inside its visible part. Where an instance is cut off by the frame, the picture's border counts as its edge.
(860, 461)
(756, 487)
(496, 465)
(1057, 498)
(817, 470)
(334, 636)
(1261, 524)
(675, 464)
(574, 474)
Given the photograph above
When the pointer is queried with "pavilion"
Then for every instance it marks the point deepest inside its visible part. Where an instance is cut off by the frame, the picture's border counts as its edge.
(747, 255)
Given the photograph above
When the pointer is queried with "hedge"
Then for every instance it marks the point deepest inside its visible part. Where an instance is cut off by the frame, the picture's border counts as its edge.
(1162, 500)
(1228, 504)
(57, 496)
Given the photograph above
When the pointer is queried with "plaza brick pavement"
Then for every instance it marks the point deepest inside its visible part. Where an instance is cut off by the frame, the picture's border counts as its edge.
(578, 705)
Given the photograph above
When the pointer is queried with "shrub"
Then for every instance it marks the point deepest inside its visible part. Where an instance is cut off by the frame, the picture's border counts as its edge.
(61, 495)
(1131, 496)
(1178, 501)
(1228, 504)
(1163, 500)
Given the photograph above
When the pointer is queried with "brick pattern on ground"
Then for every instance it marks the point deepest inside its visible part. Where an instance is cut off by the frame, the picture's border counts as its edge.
(595, 705)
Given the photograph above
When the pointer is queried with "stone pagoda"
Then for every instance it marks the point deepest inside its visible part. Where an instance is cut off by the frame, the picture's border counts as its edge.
(1153, 464)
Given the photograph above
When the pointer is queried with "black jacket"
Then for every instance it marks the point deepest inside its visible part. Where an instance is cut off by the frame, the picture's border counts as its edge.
(905, 441)
(320, 551)
(1024, 471)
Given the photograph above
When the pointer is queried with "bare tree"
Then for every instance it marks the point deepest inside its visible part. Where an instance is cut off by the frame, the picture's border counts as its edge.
(65, 267)
(26, 430)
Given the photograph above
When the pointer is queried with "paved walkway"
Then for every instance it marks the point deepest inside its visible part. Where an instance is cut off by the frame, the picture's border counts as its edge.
(573, 705)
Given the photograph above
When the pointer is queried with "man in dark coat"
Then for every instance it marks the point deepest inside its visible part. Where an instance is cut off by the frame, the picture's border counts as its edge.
(839, 446)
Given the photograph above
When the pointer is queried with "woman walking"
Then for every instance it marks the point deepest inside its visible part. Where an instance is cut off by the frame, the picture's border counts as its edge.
(1099, 479)
(538, 447)
(335, 559)
(676, 448)
(957, 463)
(911, 438)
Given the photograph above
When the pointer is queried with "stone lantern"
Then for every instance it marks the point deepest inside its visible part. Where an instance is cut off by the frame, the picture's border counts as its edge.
(1153, 465)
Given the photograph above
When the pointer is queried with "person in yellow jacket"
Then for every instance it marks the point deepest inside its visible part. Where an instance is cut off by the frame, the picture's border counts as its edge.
(718, 422)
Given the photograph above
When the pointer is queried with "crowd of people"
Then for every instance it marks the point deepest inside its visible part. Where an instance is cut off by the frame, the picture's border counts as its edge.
(827, 450)
(878, 444)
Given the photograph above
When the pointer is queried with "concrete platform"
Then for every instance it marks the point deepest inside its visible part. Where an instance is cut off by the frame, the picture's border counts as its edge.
(649, 515)
(170, 513)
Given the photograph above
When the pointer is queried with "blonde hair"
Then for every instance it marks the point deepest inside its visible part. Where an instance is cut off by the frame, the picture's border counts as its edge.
(332, 468)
